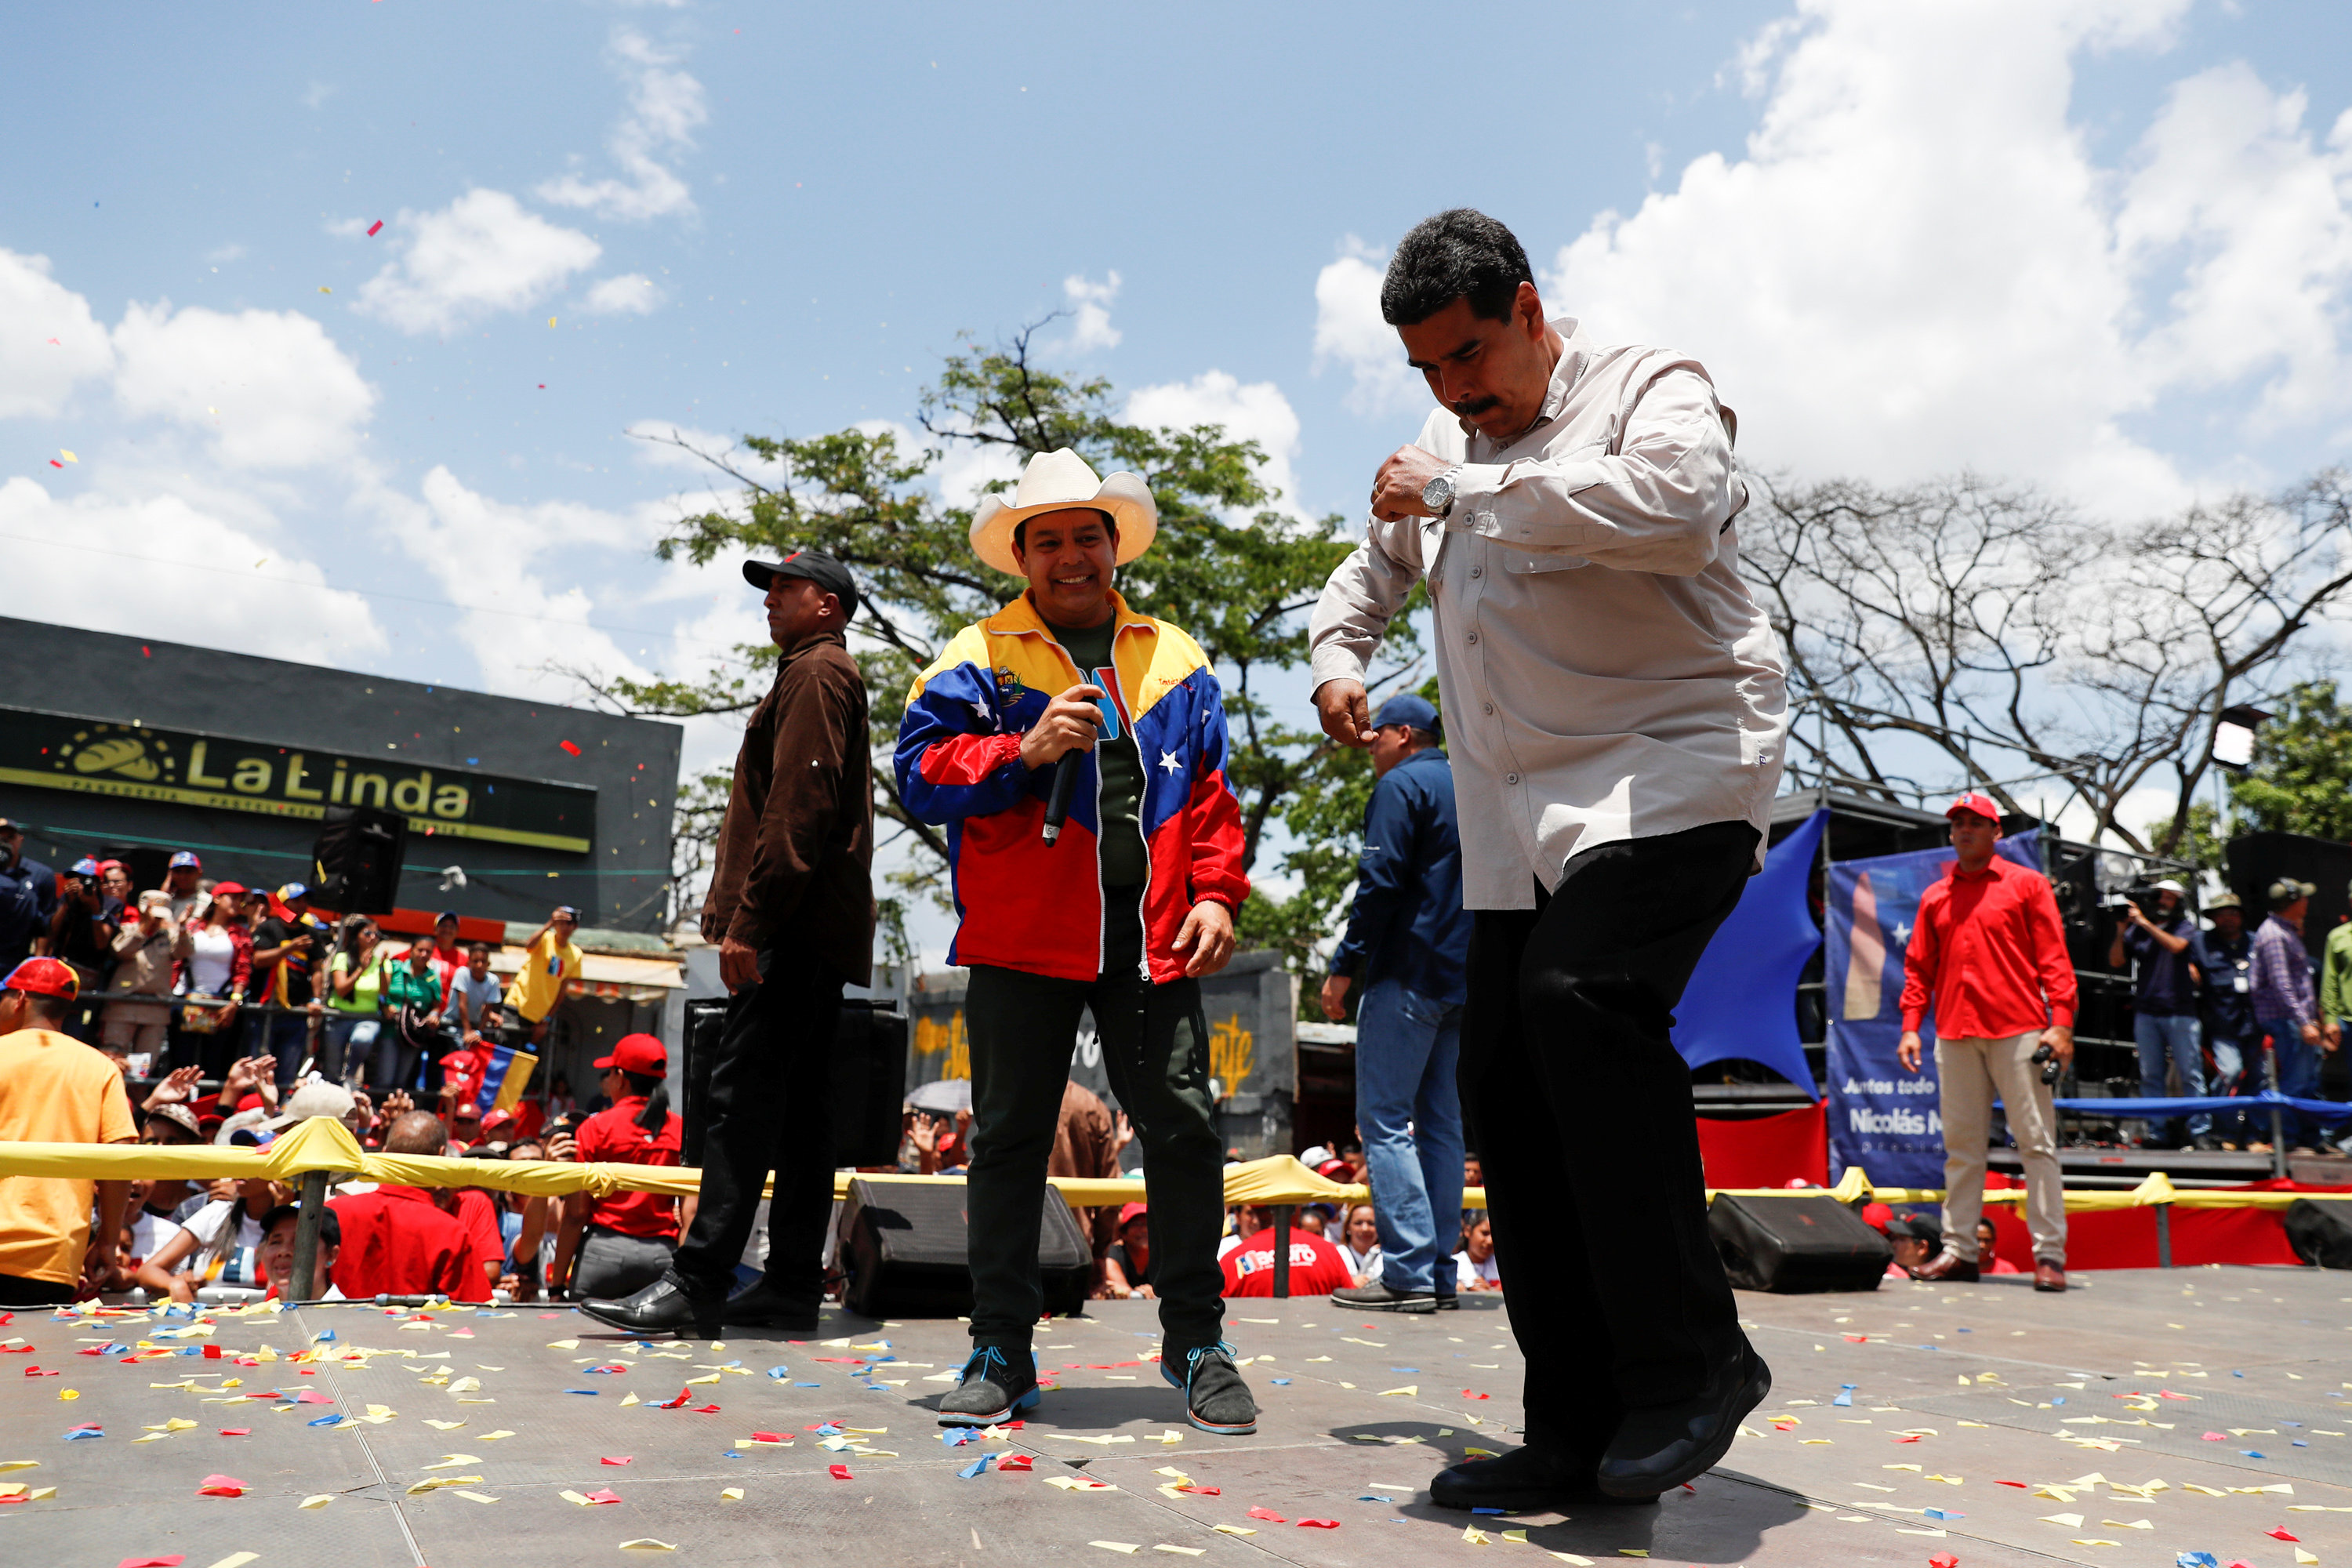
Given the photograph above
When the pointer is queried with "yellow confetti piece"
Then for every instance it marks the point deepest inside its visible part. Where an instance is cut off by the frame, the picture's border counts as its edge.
(2070, 1520)
(642, 1543)
(1474, 1535)
(692, 1380)
(2303, 1556)
(1631, 1551)
(564, 1345)
(151, 1438)
(491, 1437)
(1518, 1535)
(2128, 1524)
(319, 1501)
(1233, 1529)
(324, 290)
(2080, 1542)
(69, 457)
(576, 1497)
(7, 1465)
(1128, 1547)
(476, 1497)
(1177, 1551)
(551, 322)
(732, 1494)
(632, 1399)
(1572, 1557)
(237, 1560)
(16, 1489)
(75, 1394)
(438, 1483)
(443, 1425)
(175, 1424)
(1410, 1391)
(42, 1494)
(451, 1462)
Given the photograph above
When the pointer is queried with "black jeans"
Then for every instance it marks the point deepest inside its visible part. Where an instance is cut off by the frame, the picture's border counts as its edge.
(768, 1109)
(1581, 1109)
(1155, 1043)
(21, 1290)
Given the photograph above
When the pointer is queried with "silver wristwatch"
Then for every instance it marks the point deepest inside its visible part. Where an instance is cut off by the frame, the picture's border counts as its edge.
(1438, 494)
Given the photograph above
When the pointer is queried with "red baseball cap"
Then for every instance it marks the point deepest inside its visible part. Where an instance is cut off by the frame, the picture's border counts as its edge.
(228, 889)
(640, 1053)
(1132, 1211)
(43, 977)
(1981, 804)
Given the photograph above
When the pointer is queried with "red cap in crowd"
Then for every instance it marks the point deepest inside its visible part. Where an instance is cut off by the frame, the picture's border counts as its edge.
(640, 1053)
(1876, 1216)
(227, 891)
(1977, 802)
(1132, 1211)
(1334, 1171)
(43, 977)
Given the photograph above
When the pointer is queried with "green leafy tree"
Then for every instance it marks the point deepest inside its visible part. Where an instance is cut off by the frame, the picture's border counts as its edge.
(2301, 779)
(1229, 568)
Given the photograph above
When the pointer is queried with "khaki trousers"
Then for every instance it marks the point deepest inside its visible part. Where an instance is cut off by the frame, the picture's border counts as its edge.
(1971, 1073)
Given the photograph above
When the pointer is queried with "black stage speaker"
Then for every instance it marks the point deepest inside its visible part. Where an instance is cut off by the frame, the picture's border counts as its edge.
(2320, 1234)
(356, 862)
(868, 1072)
(906, 1255)
(1795, 1244)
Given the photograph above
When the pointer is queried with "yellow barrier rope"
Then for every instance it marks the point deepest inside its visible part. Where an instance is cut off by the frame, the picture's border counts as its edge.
(322, 1143)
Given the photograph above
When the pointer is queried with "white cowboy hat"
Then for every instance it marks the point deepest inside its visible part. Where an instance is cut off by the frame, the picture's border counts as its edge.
(1052, 482)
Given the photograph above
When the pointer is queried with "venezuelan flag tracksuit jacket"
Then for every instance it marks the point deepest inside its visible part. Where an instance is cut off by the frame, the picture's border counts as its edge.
(1023, 903)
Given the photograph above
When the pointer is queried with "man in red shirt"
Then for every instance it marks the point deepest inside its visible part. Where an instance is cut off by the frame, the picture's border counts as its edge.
(398, 1241)
(1316, 1267)
(1988, 951)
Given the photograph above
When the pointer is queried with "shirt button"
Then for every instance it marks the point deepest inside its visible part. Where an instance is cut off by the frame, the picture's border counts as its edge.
(1510, 778)
(1487, 706)
(1474, 637)
(1477, 571)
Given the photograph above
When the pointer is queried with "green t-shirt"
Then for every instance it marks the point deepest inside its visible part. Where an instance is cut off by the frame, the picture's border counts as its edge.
(367, 991)
(1120, 847)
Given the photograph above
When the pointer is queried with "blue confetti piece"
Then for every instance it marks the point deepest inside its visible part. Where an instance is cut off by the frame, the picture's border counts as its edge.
(829, 1429)
(1404, 1369)
(1968, 1330)
(808, 1385)
(2060, 1400)
(2237, 1374)
(732, 1454)
(589, 1391)
(730, 1363)
(2286, 1422)
(780, 1372)
(326, 1420)
(321, 1339)
(1372, 1496)
(2253, 1454)
(2299, 1443)
(2197, 1560)
(1845, 1399)
(1490, 1511)
(976, 1467)
(1281, 1382)
(957, 1436)
(81, 1434)
(1942, 1513)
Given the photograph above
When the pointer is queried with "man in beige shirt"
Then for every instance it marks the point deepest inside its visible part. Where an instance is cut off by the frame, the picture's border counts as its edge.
(1616, 703)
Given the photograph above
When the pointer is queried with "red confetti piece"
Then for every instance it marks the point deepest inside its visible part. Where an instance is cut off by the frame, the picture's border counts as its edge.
(1906, 1439)
(37, 1372)
(221, 1486)
(1015, 1462)
(2167, 1394)
(683, 1396)
(1857, 1339)
(311, 1397)
(1467, 1395)
(769, 1437)
(705, 1410)
(604, 1495)
(573, 747)
(212, 1352)
(236, 1431)
(375, 228)
(838, 1472)
(2216, 1436)
(2018, 1485)
(1203, 1491)
(2278, 1533)
(624, 1460)
(1267, 1514)
(55, 464)
(1318, 1524)
(94, 1350)
(173, 1561)
(1943, 1560)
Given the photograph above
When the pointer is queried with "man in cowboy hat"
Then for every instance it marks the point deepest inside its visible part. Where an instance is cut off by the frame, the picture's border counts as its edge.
(791, 908)
(1121, 915)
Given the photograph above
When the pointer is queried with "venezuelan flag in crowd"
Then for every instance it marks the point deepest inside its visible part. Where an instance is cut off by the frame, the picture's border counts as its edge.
(505, 1079)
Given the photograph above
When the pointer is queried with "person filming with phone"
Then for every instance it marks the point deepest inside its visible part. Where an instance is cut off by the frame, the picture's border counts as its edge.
(1988, 953)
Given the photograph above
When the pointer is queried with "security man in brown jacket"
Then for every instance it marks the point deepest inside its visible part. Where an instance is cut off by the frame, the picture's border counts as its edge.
(792, 909)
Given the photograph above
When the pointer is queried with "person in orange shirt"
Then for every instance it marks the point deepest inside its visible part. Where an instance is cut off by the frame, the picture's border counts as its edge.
(55, 1089)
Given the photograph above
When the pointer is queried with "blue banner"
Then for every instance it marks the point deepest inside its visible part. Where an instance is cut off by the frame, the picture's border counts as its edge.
(1758, 953)
(1883, 1118)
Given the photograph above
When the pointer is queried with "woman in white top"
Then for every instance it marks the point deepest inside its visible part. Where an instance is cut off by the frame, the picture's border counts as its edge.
(217, 1245)
(1359, 1240)
(1474, 1264)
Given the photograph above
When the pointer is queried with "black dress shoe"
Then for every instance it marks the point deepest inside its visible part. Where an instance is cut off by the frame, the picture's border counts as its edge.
(1661, 1446)
(1529, 1480)
(661, 1308)
(766, 1306)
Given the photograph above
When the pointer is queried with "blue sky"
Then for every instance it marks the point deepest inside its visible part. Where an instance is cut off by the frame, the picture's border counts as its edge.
(2101, 245)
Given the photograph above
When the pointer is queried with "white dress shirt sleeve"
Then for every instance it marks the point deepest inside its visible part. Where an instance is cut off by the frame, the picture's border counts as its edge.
(1659, 505)
(1362, 595)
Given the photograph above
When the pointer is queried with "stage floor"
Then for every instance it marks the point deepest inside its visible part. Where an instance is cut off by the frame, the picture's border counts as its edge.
(1955, 1390)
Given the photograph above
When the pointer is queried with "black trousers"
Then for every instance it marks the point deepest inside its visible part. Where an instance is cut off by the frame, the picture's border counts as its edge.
(1156, 1051)
(1581, 1109)
(768, 1109)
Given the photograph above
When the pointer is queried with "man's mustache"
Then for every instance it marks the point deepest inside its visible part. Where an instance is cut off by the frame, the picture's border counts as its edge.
(1471, 407)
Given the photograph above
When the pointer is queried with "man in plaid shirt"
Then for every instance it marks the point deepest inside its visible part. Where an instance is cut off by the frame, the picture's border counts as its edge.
(2286, 1008)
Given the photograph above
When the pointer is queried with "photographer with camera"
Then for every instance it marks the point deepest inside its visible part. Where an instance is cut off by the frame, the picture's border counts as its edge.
(2164, 1004)
(1988, 950)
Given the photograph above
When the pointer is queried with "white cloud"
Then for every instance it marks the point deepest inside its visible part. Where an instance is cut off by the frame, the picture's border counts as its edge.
(1089, 306)
(1916, 266)
(666, 109)
(479, 255)
(156, 565)
(1349, 333)
(269, 387)
(36, 375)
(1257, 412)
(630, 294)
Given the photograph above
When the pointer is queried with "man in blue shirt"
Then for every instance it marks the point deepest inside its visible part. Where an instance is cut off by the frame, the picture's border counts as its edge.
(1408, 939)
(2164, 1004)
(2223, 960)
(29, 900)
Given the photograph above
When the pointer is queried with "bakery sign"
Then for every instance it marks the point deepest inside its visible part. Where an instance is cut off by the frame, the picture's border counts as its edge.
(140, 762)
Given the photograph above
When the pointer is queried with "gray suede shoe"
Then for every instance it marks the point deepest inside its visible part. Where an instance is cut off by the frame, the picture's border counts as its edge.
(1215, 1397)
(998, 1383)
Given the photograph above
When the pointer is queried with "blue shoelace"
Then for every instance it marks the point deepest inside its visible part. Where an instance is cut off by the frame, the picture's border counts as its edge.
(987, 1357)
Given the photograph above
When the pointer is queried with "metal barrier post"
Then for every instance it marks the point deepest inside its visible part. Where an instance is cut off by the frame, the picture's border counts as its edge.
(2164, 1236)
(306, 1240)
(2278, 1117)
(1282, 1250)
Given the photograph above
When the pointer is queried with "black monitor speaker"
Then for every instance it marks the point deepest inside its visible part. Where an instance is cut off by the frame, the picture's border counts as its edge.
(356, 862)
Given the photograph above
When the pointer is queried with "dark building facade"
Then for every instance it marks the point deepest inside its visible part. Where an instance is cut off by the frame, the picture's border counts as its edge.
(138, 748)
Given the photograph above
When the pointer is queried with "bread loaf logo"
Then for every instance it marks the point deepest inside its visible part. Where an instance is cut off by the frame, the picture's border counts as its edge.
(140, 757)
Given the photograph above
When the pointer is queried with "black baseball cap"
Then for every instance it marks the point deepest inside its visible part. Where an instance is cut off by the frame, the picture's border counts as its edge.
(813, 565)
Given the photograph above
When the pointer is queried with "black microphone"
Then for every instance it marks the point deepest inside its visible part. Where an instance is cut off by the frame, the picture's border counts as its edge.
(1065, 782)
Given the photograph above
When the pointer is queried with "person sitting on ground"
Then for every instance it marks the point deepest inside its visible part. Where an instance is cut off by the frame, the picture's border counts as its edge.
(1915, 1241)
(1360, 1238)
(278, 1228)
(1127, 1267)
(1988, 1237)
(1241, 1222)
(217, 1245)
(54, 1090)
(1474, 1264)
(1316, 1218)
(396, 1241)
(630, 1236)
(1317, 1268)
